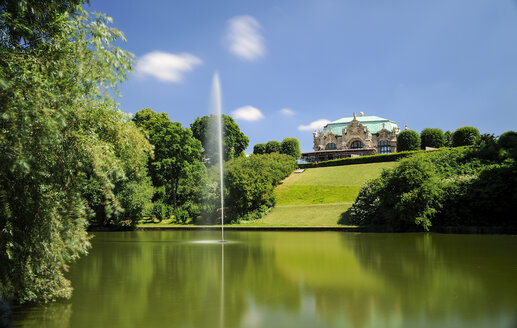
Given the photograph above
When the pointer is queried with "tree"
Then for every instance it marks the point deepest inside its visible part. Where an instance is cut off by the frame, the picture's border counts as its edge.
(234, 143)
(447, 136)
(176, 167)
(465, 136)
(432, 138)
(273, 146)
(508, 141)
(56, 68)
(408, 140)
(259, 149)
(291, 146)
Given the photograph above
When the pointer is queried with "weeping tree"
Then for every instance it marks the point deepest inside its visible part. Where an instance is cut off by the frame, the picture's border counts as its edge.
(57, 63)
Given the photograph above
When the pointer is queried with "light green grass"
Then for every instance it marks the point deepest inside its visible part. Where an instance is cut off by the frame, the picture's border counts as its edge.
(346, 175)
(308, 215)
(304, 195)
(318, 196)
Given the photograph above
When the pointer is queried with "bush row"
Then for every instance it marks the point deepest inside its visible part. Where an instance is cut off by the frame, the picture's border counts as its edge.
(392, 157)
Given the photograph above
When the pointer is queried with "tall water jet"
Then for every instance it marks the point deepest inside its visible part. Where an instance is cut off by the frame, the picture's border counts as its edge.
(217, 109)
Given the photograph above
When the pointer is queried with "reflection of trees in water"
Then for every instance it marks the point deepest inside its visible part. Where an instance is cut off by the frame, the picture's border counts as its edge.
(156, 279)
(440, 276)
(160, 279)
(55, 315)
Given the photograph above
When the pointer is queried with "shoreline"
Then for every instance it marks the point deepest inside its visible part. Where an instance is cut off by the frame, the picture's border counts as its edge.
(460, 230)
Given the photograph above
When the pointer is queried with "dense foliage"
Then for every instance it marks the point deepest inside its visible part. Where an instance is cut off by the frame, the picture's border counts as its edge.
(291, 147)
(249, 183)
(472, 186)
(273, 146)
(447, 137)
(408, 140)
(66, 150)
(433, 138)
(176, 169)
(465, 136)
(234, 143)
(259, 149)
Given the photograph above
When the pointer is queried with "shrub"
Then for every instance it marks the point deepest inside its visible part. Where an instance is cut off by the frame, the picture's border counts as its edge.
(291, 146)
(259, 149)
(448, 187)
(408, 140)
(250, 181)
(465, 136)
(508, 141)
(273, 147)
(432, 138)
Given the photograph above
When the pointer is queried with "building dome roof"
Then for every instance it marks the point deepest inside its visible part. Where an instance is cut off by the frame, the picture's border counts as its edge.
(374, 124)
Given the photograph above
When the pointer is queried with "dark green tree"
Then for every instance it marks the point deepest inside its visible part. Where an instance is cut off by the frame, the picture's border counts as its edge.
(57, 65)
(234, 143)
(176, 168)
(432, 138)
(447, 136)
(408, 140)
(273, 146)
(291, 146)
(508, 141)
(465, 136)
(259, 149)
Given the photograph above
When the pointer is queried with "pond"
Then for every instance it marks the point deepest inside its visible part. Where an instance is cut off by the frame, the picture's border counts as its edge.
(288, 279)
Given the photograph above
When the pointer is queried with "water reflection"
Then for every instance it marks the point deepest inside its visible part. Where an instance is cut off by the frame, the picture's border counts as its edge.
(279, 279)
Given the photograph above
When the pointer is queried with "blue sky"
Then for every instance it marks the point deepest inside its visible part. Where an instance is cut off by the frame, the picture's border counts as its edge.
(285, 65)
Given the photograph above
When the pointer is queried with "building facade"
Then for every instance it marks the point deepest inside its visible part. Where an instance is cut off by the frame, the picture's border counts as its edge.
(354, 136)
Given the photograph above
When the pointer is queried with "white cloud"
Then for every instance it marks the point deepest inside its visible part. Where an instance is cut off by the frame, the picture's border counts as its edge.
(244, 38)
(287, 112)
(247, 113)
(167, 66)
(319, 124)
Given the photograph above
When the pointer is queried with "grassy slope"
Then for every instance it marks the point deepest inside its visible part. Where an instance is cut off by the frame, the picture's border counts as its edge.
(318, 196)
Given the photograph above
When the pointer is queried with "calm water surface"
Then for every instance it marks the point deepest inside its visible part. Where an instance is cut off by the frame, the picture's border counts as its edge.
(288, 279)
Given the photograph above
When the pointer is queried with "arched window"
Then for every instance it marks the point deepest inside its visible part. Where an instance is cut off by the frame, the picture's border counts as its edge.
(384, 147)
(330, 146)
(356, 145)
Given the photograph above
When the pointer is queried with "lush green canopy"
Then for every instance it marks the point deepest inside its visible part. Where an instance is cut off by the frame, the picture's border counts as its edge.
(259, 149)
(56, 138)
(234, 141)
(432, 138)
(176, 168)
(408, 140)
(291, 146)
(465, 136)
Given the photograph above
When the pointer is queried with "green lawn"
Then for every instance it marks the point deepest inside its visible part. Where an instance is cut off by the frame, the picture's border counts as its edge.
(318, 196)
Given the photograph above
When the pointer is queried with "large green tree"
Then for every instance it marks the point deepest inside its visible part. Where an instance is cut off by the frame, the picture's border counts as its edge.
(408, 140)
(465, 136)
(432, 138)
(57, 63)
(176, 168)
(234, 141)
(273, 146)
(291, 146)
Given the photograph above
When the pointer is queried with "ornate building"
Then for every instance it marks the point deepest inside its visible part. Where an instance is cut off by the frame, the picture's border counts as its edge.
(354, 136)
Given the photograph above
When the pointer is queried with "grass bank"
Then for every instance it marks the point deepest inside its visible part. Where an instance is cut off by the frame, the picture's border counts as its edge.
(318, 196)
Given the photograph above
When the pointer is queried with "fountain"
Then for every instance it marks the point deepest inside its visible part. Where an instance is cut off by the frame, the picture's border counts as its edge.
(216, 105)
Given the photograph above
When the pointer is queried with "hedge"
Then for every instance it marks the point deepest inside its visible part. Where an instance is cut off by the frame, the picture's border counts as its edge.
(392, 157)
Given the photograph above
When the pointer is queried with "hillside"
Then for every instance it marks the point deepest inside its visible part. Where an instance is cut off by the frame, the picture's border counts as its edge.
(318, 196)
